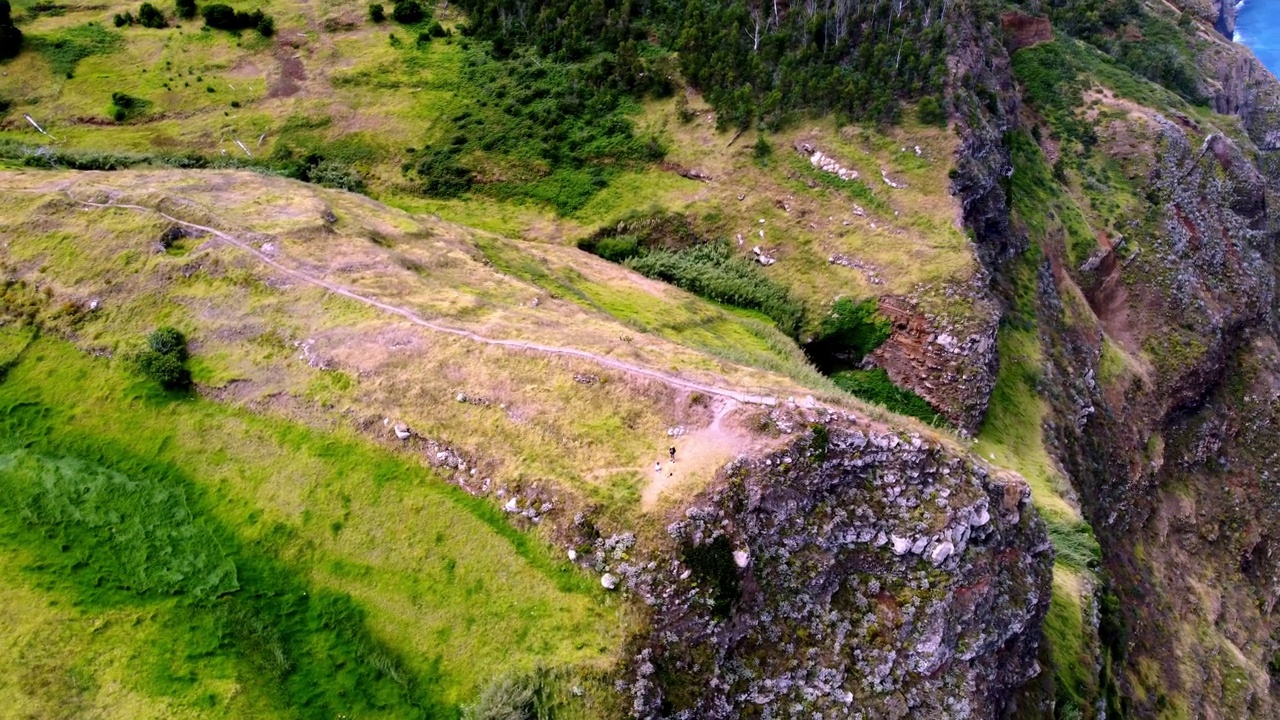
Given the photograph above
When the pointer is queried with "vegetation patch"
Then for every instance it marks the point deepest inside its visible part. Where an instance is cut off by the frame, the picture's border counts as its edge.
(119, 499)
(713, 271)
(751, 61)
(875, 386)
(67, 48)
(10, 35)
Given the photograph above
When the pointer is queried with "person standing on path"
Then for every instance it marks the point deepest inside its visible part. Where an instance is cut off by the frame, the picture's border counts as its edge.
(673, 453)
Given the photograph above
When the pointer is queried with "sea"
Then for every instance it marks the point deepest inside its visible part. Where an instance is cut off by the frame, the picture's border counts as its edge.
(1258, 26)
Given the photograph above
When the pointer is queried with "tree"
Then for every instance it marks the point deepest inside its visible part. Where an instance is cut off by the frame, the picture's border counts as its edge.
(407, 12)
(164, 360)
(168, 341)
(149, 16)
(186, 9)
(10, 36)
(376, 13)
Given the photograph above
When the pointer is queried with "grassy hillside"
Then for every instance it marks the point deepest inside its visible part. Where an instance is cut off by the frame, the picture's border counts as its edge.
(262, 568)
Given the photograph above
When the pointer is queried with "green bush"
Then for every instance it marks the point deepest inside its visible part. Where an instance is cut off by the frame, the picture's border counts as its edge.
(122, 20)
(442, 175)
(376, 13)
(186, 9)
(617, 249)
(408, 12)
(10, 36)
(164, 360)
(149, 16)
(762, 149)
(930, 111)
(513, 697)
(124, 106)
(168, 341)
(435, 29)
(166, 370)
(875, 386)
(336, 174)
(224, 17)
(712, 271)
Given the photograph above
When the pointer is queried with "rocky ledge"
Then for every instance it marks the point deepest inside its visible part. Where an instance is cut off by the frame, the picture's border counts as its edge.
(856, 573)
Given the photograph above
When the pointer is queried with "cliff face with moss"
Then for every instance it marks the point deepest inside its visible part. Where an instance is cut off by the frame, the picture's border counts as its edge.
(1148, 290)
(855, 572)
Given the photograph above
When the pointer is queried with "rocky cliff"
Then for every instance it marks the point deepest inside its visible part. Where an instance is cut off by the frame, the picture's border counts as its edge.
(1162, 394)
(856, 572)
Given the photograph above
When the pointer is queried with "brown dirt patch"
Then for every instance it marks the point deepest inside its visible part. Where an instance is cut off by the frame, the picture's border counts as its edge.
(289, 72)
(1110, 302)
(702, 452)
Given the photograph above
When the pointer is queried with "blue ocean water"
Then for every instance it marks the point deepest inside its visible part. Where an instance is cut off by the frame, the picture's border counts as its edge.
(1258, 26)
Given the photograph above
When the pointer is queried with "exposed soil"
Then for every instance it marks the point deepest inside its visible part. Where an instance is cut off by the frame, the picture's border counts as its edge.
(289, 71)
(1110, 302)
(700, 453)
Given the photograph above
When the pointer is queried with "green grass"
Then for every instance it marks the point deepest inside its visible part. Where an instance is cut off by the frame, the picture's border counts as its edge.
(1048, 211)
(65, 50)
(1064, 632)
(317, 573)
(875, 386)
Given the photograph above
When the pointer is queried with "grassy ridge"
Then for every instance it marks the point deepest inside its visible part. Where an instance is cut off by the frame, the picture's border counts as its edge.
(332, 614)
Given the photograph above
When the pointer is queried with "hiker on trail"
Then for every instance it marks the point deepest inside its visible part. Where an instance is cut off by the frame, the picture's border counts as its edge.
(657, 468)
(673, 453)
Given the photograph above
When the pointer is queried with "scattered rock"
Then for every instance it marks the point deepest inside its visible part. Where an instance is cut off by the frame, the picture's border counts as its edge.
(609, 581)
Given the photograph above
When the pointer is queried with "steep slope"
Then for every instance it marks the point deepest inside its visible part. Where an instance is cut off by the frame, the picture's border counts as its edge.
(1154, 212)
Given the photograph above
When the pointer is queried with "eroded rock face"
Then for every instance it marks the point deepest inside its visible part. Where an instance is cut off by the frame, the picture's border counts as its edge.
(949, 359)
(856, 573)
(1022, 30)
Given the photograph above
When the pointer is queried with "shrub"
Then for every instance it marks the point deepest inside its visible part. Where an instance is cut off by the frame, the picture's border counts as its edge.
(124, 106)
(407, 12)
(930, 111)
(224, 17)
(519, 696)
(617, 248)
(122, 20)
(149, 16)
(166, 370)
(219, 16)
(10, 36)
(437, 30)
(762, 149)
(186, 9)
(336, 174)
(875, 386)
(168, 341)
(712, 271)
(441, 173)
(164, 360)
(376, 13)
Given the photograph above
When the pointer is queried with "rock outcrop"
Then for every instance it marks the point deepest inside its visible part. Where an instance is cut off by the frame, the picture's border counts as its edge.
(949, 359)
(856, 573)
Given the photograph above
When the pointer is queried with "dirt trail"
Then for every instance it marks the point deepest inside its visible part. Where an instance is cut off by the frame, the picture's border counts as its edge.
(700, 454)
(409, 315)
